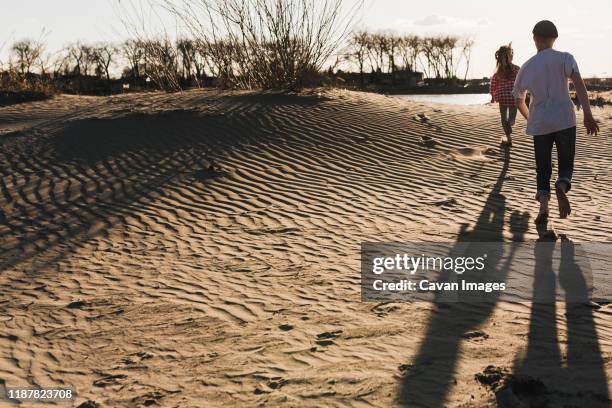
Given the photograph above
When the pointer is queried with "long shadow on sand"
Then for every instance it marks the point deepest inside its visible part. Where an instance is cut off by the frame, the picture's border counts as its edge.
(430, 376)
(429, 379)
(579, 378)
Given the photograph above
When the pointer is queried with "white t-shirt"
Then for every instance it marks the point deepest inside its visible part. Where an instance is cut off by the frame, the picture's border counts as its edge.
(545, 76)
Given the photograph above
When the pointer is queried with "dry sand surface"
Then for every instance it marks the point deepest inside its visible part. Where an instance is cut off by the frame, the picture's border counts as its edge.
(202, 250)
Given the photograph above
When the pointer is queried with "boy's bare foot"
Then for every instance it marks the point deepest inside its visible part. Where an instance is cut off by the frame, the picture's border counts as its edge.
(564, 205)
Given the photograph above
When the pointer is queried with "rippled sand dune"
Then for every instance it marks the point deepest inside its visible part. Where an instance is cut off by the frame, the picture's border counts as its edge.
(202, 249)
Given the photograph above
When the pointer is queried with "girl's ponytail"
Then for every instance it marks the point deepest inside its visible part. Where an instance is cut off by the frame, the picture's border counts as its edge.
(503, 58)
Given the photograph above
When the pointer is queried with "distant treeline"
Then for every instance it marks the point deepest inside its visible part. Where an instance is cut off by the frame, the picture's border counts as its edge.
(437, 57)
(282, 44)
(104, 67)
(89, 68)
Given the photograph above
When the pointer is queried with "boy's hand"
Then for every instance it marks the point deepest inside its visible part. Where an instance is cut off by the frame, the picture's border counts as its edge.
(591, 125)
(522, 107)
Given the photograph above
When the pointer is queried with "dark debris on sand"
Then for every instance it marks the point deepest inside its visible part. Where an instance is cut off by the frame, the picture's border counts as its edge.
(514, 391)
(89, 404)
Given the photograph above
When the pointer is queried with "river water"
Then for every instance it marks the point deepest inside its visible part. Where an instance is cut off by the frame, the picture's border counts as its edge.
(454, 99)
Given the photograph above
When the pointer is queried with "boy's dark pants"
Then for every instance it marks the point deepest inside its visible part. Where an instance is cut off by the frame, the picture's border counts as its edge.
(565, 140)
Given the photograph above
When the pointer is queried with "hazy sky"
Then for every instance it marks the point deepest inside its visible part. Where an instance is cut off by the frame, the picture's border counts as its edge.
(585, 28)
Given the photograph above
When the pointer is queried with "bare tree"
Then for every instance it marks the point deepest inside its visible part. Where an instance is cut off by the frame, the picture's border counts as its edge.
(379, 48)
(103, 55)
(447, 47)
(45, 63)
(133, 52)
(466, 53)
(427, 49)
(410, 51)
(200, 62)
(358, 51)
(434, 50)
(393, 44)
(59, 63)
(26, 53)
(187, 51)
(437, 56)
(80, 58)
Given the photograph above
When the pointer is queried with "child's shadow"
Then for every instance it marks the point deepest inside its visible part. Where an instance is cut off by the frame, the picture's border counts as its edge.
(579, 377)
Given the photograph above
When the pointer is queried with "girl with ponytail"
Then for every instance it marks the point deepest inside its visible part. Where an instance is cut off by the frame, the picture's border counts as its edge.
(502, 83)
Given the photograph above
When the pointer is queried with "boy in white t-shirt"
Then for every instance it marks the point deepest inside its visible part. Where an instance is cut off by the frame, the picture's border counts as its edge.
(551, 118)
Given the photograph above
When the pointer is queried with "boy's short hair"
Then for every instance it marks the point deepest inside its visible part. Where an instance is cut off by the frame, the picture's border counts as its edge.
(545, 29)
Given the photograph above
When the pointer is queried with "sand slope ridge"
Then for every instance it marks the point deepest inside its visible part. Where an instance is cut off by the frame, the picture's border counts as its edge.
(202, 249)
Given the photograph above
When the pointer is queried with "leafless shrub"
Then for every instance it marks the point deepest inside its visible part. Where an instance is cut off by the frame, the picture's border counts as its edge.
(265, 43)
(219, 59)
(150, 53)
(18, 81)
(161, 63)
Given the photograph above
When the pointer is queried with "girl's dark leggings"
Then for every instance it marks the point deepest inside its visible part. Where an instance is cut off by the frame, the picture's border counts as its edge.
(508, 117)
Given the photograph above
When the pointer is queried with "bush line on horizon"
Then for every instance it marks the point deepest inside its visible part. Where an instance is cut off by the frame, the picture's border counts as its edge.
(193, 63)
(281, 44)
(247, 44)
(436, 56)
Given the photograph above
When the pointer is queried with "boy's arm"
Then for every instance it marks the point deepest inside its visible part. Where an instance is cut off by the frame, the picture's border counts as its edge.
(522, 107)
(519, 91)
(581, 92)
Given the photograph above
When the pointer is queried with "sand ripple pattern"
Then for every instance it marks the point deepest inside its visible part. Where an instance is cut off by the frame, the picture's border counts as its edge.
(202, 249)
